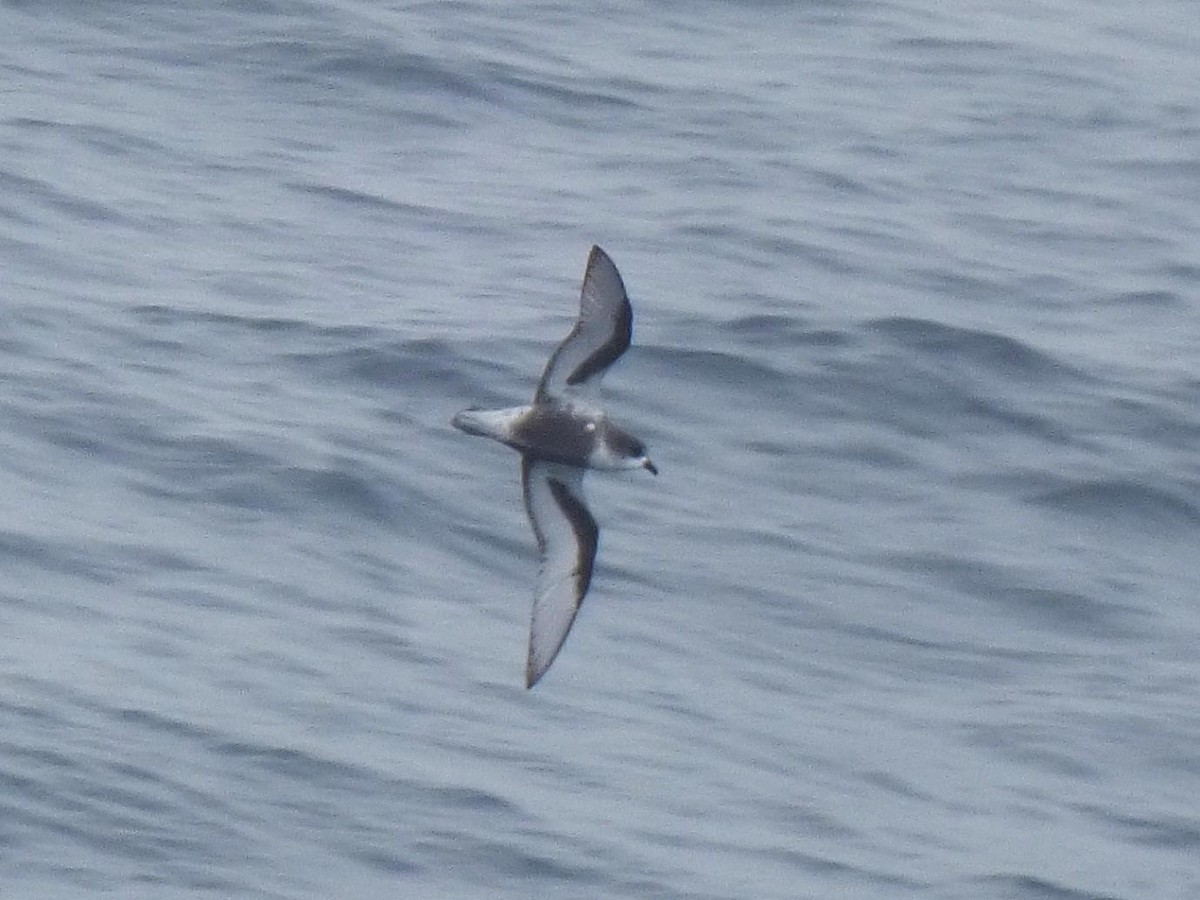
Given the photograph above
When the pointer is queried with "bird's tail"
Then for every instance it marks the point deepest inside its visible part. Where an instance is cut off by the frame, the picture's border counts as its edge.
(492, 423)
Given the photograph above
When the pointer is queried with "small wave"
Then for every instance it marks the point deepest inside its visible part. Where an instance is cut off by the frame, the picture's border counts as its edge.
(785, 330)
(363, 199)
(340, 488)
(728, 368)
(1021, 887)
(1056, 608)
(1168, 832)
(983, 348)
(395, 365)
(1148, 299)
(154, 314)
(1122, 500)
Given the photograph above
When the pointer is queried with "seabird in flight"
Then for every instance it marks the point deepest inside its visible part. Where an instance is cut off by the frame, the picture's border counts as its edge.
(561, 435)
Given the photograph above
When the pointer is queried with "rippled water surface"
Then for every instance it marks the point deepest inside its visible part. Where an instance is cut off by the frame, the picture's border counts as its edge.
(912, 609)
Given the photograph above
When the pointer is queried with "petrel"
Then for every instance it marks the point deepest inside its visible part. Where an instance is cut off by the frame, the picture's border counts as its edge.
(560, 435)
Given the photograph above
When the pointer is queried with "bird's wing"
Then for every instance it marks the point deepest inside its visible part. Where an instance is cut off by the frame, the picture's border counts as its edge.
(600, 336)
(567, 537)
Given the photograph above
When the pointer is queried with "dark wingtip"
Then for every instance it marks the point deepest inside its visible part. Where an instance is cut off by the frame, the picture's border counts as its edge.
(598, 253)
(651, 466)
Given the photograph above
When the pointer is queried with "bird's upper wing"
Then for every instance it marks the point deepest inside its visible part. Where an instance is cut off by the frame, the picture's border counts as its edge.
(567, 537)
(600, 336)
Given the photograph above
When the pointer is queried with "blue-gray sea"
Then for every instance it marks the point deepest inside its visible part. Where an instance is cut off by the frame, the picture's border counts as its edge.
(913, 609)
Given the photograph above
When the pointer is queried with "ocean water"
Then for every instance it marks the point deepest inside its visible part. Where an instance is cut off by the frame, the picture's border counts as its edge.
(913, 608)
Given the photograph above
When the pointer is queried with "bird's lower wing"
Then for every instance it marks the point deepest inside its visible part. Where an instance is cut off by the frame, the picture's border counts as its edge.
(567, 538)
